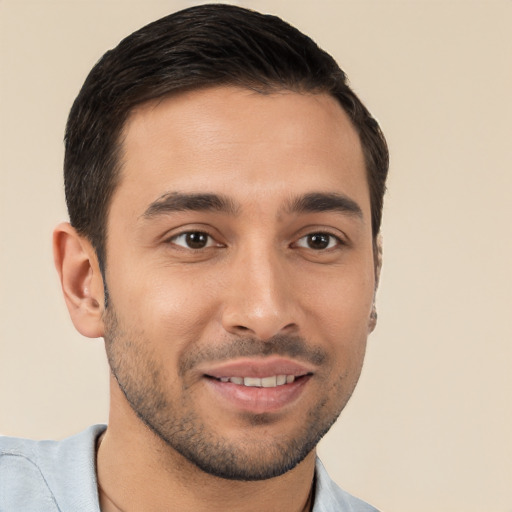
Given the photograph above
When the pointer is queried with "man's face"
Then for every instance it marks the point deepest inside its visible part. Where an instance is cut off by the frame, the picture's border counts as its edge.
(241, 276)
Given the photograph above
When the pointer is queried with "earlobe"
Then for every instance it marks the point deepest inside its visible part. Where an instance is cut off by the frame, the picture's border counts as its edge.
(81, 280)
(373, 319)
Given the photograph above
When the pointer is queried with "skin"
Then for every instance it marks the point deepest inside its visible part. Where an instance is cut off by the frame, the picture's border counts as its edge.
(263, 288)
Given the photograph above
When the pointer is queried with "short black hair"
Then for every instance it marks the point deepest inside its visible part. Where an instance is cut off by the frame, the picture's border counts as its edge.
(202, 46)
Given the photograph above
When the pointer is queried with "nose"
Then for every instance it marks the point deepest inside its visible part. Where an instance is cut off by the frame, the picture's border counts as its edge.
(259, 298)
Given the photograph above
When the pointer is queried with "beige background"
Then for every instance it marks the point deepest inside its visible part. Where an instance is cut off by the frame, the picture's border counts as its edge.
(429, 428)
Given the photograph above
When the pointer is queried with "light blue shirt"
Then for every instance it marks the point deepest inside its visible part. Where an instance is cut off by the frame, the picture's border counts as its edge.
(60, 476)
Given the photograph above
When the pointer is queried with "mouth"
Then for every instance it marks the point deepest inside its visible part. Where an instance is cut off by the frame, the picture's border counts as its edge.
(257, 386)
(257, 382)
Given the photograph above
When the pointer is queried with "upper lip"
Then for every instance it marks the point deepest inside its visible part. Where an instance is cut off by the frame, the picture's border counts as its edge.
(257, 367)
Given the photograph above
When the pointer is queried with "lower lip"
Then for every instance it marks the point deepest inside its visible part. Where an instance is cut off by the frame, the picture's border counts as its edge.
(258, 400)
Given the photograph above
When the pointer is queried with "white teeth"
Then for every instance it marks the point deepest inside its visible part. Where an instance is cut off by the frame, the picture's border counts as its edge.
(269, 382)
(252, 382)
(265, 382)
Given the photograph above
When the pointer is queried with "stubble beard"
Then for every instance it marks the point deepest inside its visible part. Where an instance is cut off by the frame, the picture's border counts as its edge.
(171, 418)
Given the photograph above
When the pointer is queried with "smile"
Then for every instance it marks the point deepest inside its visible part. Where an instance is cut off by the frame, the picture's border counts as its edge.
(265, 382)
(257, 385)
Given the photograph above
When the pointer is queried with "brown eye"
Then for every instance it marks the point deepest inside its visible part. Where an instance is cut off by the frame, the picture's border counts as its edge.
(196, 240)
(193, 240)
(318, 241)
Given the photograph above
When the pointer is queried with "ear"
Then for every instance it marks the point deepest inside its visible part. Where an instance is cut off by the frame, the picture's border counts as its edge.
(81, 280)
(377, 258)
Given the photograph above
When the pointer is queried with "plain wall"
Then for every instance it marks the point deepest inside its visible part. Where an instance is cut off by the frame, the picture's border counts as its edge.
(429, 427)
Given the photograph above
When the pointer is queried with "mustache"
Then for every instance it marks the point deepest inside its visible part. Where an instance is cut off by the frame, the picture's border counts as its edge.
(295, 347)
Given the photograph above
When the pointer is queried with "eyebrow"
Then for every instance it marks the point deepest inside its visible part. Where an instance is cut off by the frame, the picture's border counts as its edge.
(307, 203)
(324, 202)
(179, 202)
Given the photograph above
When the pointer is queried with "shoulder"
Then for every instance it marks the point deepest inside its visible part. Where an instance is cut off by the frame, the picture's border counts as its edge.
(331, 498)
(48, 476)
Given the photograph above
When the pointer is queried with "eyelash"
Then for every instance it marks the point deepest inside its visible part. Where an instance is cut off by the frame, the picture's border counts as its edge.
(333, 240)
(210, 242)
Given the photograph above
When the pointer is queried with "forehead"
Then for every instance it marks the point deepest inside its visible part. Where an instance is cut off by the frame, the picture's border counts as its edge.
(239, 142)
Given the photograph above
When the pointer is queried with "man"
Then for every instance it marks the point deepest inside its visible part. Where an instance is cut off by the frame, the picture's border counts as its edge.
(225, 190)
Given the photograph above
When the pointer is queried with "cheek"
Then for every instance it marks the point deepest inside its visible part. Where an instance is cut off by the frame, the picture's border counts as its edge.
(168, 306)
(341, 303)
(339, 314)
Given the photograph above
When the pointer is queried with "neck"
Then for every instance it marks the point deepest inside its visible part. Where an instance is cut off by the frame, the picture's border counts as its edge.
(138, 471)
